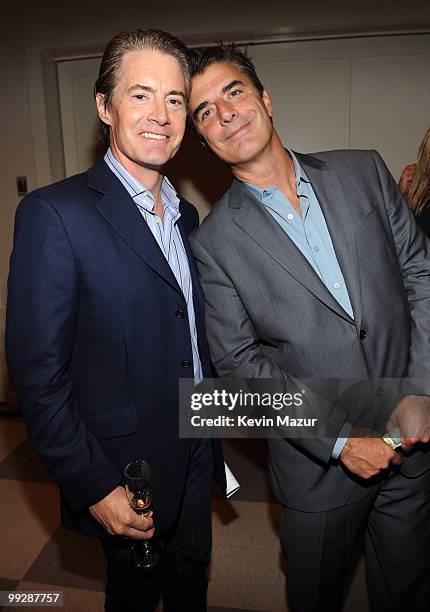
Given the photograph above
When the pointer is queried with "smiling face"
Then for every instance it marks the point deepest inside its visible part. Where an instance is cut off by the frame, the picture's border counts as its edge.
(230, 114)
(147, 112)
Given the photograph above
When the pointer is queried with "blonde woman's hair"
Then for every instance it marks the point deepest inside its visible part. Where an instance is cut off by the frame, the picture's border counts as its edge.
(418, 193)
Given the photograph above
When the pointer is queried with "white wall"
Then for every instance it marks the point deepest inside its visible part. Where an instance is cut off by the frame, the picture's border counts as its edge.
(34, 33)
(357, 93)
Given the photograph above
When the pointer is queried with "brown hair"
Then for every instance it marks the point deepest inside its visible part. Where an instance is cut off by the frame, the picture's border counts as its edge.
(136, 40)
(418, 192)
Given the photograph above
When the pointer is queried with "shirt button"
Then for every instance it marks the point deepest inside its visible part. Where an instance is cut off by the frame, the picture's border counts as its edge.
(180, 314)
(336, 285)
(316, 249)
(186, 363)
(290, 216)
(266, 192)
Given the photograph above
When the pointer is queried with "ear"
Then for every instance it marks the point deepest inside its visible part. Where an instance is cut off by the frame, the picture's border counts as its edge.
(103, 112)
(267, 103)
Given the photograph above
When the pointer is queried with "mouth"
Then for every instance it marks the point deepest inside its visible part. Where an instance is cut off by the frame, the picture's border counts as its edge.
(153, 136)
(238, 132)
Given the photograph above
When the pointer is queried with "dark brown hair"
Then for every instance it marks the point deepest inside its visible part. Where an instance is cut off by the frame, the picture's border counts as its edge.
(230, 54)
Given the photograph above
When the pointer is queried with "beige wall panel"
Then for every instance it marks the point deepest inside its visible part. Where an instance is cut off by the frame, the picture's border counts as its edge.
(79, 119)
(390, 45)
(311, 103)
(390, 106)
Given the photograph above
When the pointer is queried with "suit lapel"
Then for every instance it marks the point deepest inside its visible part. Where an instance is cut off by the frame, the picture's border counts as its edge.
(252, 218)
(334, 202)
(119, 210)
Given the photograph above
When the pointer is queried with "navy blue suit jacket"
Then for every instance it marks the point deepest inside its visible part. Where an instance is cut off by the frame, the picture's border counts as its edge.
(94, 345)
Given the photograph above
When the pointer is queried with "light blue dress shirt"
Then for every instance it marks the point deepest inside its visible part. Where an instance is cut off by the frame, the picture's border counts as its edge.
(310, 234)
(168, 238)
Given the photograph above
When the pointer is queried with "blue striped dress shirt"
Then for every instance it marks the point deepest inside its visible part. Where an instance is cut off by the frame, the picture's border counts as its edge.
(168, 238)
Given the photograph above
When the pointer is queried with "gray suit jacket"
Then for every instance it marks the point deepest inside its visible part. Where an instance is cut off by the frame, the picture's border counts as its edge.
(269, 316)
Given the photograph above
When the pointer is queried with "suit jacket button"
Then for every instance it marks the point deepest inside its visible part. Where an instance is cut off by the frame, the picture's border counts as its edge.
(180, 314)
(379, 392)
(363, 334)
(186, 363)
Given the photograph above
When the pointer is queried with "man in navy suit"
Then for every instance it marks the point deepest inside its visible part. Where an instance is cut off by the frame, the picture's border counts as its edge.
(105, 314)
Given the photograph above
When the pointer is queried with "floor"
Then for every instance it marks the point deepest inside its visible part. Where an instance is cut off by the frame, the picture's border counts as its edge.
(247, 569)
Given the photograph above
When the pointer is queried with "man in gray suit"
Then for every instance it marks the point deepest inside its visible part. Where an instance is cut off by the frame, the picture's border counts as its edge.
(313, 267)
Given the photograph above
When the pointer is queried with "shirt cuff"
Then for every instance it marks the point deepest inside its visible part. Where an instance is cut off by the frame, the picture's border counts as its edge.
(342, 440)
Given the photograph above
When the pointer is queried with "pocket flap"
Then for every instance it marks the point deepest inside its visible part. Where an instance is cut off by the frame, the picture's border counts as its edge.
(112, 422)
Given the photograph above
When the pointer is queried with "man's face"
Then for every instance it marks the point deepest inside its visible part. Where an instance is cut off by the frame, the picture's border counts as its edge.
(230, 114)
(147, 112)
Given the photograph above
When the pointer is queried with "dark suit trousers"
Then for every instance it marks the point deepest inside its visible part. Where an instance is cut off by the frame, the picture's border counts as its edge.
(320, 547)
(181, 576)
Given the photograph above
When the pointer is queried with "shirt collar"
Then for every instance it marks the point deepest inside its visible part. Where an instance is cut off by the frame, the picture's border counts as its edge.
(140, 194)
(298, 170)
(300, 175)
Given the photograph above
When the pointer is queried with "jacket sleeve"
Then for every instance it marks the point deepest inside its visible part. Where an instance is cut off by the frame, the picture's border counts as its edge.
(41, 330)
(413, 252)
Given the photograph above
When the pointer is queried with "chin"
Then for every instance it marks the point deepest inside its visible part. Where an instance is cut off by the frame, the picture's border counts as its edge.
(155, 160)
(159, 157)
(243, 154)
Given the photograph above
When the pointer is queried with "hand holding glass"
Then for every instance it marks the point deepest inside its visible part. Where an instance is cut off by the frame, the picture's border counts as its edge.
(137, 480)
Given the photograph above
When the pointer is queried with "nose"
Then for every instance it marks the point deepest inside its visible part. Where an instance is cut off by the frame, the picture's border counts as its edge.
(226, 111)
(158, 112)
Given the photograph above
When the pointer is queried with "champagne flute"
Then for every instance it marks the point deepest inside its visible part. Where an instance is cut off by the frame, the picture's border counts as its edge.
(137, 480)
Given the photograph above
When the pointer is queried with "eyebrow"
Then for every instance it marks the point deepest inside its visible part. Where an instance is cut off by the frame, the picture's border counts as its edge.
(200, 107)
(139, 87)
(231, 85)
(176, 92)
(225, 89)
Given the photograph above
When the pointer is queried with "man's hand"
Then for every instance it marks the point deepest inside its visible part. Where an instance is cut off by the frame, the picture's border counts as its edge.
(367, 456)
(118, 518)
(412, 417)
(407, 177)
